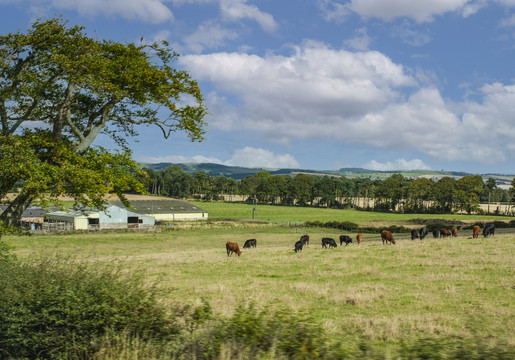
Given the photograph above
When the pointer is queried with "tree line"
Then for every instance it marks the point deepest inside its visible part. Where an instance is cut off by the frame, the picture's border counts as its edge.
(397, 193)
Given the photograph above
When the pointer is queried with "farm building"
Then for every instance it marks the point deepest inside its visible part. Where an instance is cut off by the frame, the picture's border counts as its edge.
(32, 217)
(113, 217)
(167, 209)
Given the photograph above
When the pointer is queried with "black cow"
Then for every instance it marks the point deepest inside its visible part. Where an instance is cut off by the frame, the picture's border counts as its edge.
(345, 239)
(422, 233)
(250, 243)
(489, 229)
(304, 239)
(436, 233)
(298, 245)
(328, 242)
(414, 234)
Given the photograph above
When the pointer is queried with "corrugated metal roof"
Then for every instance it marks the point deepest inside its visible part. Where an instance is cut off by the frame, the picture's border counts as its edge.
(161, 206)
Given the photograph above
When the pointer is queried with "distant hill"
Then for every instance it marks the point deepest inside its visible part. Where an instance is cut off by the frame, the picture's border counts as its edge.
(235, 172)
(238, 172)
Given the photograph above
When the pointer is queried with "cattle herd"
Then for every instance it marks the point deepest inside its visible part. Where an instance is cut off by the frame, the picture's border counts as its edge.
(386, 237)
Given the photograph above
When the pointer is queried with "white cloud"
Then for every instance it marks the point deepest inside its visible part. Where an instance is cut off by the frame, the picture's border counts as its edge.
(178, 159)
(152, 11)
(294, 95)
(246, 157)
(409, 36)
(355, 98)
(256, 157)
(420, 11)
(361, 41)
(333, 10)
(399, 164)
(208, 36)
(508, 22)
(238, 9)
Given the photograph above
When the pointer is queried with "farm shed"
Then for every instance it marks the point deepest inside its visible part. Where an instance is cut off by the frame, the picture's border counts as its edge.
(167, 210)
(113, 217)
(32, 217)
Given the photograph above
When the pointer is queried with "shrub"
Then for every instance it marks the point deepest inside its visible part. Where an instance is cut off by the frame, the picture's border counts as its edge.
(353, 227)
(52, 306)
(254, 334)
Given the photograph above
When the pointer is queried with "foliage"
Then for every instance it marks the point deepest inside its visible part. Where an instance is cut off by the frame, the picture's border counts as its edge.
(446, 299)
(255, 333)
(51, 307)
(352, 227)
(69, 88)
(398, 194)
(466, 193)
(49, 169)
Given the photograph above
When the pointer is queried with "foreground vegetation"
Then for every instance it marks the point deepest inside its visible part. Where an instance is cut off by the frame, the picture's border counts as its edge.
(434, 298)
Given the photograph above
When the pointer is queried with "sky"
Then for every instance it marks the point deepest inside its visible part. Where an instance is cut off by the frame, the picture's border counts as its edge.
(324, 84)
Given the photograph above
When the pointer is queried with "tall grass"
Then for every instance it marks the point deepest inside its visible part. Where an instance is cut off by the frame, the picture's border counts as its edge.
(459, 287)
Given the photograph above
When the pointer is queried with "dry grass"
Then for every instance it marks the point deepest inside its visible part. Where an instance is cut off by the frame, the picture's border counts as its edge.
(452, 287)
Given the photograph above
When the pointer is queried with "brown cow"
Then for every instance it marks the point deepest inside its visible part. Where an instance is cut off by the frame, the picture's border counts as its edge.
(454, 231)
(444, 233)
(387, 236)
(359, 237)
(232, 247)
(475, 231)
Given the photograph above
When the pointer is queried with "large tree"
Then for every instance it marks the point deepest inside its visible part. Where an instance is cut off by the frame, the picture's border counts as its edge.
(466, 193)
(60, 88)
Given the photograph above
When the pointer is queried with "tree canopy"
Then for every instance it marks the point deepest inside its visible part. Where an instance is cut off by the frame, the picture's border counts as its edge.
(60, 89)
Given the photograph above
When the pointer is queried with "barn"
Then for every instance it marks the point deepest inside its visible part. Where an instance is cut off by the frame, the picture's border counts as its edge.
(166, 210)
(113, 217)
(31, 218)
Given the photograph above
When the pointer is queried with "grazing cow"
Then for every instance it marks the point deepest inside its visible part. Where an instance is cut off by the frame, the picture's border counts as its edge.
(298, 245)
(423, 233)
(436, 233)
(304, 239)
(345, 239)
(444, 233)
(475, 231)
(232, 247)
(328, 242)
(454, 231)
(387, 236)
(250, 243)
(488, 230)
(414, 234)
(359, 237)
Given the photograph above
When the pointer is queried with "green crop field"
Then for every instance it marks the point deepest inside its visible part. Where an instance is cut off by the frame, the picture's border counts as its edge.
(234, 211)
(443, 288)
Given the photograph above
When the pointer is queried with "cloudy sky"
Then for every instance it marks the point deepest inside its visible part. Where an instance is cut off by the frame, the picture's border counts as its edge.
(325, 84)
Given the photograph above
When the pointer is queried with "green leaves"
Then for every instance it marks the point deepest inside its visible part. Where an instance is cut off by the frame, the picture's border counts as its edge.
(44, 169)
(71, 88)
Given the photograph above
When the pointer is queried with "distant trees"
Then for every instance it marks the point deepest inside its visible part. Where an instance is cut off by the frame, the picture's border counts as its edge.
(396, 193)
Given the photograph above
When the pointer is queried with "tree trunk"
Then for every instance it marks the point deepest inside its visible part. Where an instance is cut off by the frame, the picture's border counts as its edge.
(12, 215)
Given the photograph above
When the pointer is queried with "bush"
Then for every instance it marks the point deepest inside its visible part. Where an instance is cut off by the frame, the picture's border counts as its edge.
(254, 334)
(52, 307)
(353, 227)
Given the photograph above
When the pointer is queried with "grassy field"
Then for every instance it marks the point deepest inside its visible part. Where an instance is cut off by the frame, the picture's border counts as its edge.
(459, 287)
(219, 210)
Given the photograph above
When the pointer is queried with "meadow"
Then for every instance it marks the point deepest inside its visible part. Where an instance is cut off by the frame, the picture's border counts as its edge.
(384, 295)
(285, 214)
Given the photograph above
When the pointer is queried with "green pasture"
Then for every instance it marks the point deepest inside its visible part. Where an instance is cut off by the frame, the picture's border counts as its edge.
(239, 211)
(442, 288)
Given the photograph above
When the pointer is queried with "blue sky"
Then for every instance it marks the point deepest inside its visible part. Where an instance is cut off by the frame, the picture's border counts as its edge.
(325, 84)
